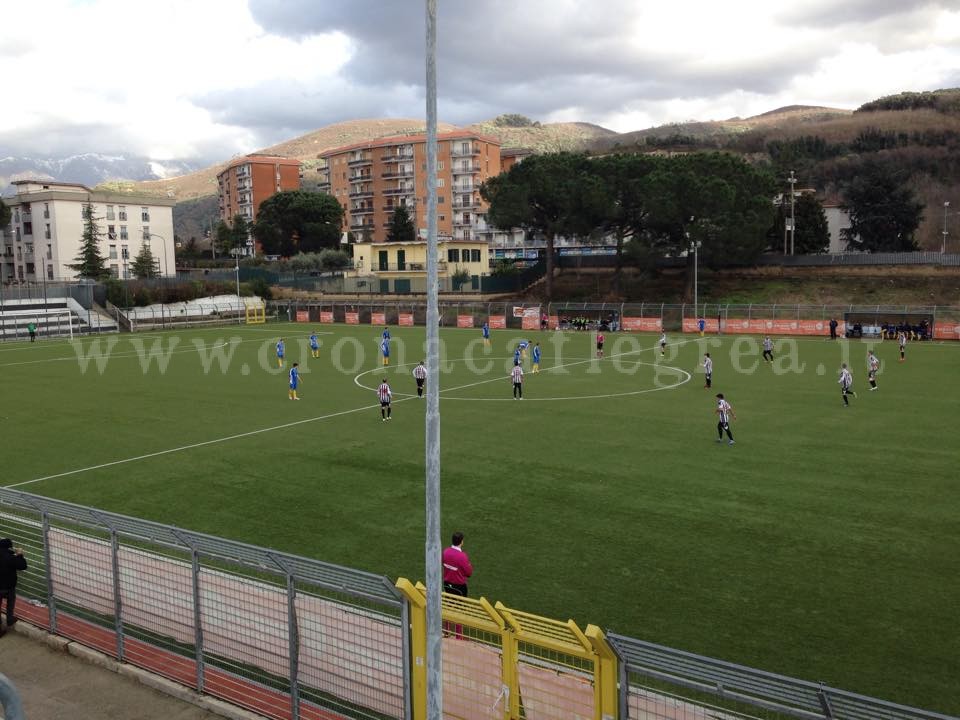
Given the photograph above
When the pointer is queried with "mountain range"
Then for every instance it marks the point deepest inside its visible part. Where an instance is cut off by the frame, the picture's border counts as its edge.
(89, 169)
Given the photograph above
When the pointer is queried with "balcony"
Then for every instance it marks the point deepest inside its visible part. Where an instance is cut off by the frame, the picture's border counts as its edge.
(396, 157)
(460, 222)
(398, 191)
(361, 177)
(460, 151)
(360, 161)
(467, 204)
(412, 211)
(362, 210)
(412, 267)
(394, 174)
(469, 169)
(357, 194)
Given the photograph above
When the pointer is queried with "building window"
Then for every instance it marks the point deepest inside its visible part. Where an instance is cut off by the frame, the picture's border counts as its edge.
(110, 212)
(126, 272)
(146, 234)
(49, 251)
(27, 228)
(474, 256)
(46, 231)
(144, 214)
(122, 212)
(440, 182)
(111, 232)
(31, 269)
(125, 252)
(453, 255)
(29, 249)
(49, 272)
(441, 200)
(115, 270)
(123, 232)
(439, 164)
(46, 211)
(441, 218)
(113, 252)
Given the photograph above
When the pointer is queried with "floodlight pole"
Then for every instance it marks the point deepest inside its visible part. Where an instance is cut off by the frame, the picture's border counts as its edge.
(793, 220)
(433, 571)
(943, 244)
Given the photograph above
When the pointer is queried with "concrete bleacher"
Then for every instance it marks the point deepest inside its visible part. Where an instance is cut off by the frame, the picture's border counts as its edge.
(50, 318)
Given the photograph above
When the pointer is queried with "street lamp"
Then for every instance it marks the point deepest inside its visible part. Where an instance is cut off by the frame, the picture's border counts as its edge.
(166, 272)
(943, 245)
(694, 247)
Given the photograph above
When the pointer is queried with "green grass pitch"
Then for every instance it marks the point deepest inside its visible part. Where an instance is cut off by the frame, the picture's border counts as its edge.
(824, 544)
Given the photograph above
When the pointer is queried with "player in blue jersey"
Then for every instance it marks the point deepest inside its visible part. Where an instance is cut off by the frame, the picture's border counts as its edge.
(280, 348)
(314, 345)
(516, 356)
(385, 335)
(485, 329)
(524, 344)
(536, 358)
(385, 350)
(294, 381)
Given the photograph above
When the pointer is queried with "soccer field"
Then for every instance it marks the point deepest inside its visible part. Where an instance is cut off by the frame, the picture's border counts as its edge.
(824, 544)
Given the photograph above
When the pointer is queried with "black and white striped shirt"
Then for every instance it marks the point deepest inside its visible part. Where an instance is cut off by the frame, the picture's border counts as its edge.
(707, 366)
(516, 375)
(723, 410)
(767, 344)
(383, 392)
(846, 378)
(420, 372)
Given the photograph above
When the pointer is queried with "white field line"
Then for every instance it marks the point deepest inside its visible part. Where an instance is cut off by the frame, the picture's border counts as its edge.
(259, 431)
(192, 446)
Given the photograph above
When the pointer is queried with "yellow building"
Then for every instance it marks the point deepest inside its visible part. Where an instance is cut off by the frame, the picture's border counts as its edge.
(399, 260)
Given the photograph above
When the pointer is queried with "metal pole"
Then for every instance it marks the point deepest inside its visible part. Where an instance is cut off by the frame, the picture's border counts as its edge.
(793, 220)
(239, 319)
(432, 557)
(943, 245)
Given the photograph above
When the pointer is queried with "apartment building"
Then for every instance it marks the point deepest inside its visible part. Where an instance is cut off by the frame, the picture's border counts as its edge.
(249, 180)
(372, 178)
(46, 230)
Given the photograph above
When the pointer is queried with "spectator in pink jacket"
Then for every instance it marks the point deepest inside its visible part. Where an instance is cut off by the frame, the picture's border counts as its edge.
(456, 567)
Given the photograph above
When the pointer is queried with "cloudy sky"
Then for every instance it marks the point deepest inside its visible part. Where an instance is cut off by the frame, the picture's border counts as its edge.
(207, 79)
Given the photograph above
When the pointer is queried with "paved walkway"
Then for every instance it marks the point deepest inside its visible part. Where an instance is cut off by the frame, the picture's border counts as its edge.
(54, 685)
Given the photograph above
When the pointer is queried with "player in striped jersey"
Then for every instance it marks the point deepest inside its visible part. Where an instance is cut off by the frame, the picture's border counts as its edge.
(294, 381)
(420, 375)
(385, 350)
(536, 358)
(767, 349)
(280, 348)
(725, 414)
(846, 384)
(386, 397)
(873, 367)
(314, 345)
(663, 344)
(902, 340)
(516, 375)
(708, 369)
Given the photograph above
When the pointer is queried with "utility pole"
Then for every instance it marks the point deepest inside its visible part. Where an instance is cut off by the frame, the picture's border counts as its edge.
(793, 227)
(943, 244)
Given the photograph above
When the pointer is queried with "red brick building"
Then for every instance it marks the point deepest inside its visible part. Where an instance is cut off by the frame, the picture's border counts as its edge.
(249, 180)
(372, 178)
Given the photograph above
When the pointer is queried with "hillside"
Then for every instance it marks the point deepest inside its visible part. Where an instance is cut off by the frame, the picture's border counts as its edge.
(715, 132)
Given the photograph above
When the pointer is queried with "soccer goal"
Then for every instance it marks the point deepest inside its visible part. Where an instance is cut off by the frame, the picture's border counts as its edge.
(53, 323)
(256, 314)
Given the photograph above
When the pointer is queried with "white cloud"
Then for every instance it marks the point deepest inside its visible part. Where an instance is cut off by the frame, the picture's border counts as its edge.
(212, 78)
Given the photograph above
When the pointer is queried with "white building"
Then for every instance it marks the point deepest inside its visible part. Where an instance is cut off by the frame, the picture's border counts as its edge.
(837, 219)
(46, 230)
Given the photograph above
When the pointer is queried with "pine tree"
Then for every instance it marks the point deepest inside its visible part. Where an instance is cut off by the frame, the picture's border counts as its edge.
(401, 226)
(90, 263)
(145, 265)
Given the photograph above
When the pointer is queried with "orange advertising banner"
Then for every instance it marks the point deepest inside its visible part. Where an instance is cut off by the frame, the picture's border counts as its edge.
(464, 321)
(405, 319)
(760, 326)
(641, 324)
(498, 322)
(946, 331)
(378, 318)
(553, 322)
(530, 322)
(303, 316)
(352, 318)
(690, 325)
(326, 316)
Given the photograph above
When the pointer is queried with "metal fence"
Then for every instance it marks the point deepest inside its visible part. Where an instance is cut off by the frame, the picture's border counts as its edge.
(660, 682)
(289, 637)
(281, 635)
